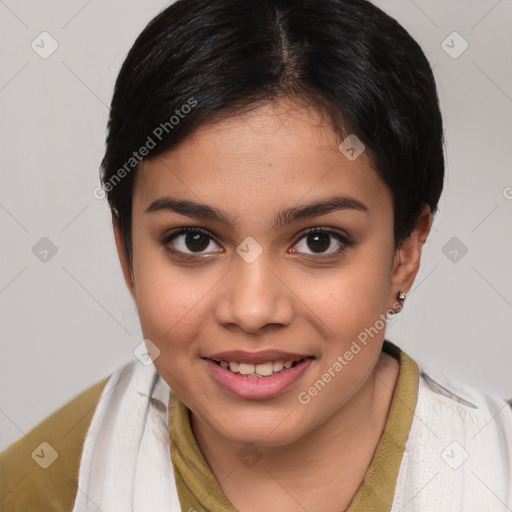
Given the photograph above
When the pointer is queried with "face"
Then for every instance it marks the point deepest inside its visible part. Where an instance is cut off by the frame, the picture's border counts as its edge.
(258, 280)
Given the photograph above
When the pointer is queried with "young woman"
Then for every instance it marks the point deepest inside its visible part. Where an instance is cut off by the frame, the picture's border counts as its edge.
(273, 167)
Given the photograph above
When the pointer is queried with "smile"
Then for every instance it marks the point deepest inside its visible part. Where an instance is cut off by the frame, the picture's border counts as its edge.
(257, 380)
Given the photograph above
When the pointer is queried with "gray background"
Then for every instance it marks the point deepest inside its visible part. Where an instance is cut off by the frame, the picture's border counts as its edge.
(67, 322)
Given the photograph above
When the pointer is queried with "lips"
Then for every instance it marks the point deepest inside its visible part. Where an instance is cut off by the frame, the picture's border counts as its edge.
(257, 375)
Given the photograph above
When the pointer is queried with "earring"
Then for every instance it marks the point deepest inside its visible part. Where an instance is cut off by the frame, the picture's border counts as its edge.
(401, 296)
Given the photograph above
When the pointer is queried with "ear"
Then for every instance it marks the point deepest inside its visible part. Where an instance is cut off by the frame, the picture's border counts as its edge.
(407, 257)
(125, 264)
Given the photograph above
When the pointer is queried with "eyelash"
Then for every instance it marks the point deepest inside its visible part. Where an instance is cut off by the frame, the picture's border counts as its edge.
(344, 241)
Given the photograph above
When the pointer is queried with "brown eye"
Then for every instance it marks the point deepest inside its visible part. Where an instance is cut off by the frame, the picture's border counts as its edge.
(196, 242)
(188, 240)
(318, 241)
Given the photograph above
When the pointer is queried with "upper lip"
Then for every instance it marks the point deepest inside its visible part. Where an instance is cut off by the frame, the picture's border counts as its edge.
(262, 356)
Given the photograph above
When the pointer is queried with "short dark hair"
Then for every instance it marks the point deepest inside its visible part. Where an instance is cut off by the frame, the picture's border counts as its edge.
(201, 61)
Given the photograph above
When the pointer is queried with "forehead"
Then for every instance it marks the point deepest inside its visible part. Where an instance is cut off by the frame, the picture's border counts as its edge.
(275, 155)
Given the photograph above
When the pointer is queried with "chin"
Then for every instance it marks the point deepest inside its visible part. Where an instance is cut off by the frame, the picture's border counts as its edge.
(269, 433)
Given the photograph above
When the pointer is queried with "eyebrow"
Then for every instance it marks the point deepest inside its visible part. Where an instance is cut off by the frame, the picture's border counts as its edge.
(283, 218)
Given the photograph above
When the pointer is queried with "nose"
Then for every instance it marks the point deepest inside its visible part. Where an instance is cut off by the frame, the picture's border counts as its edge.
(254, 297)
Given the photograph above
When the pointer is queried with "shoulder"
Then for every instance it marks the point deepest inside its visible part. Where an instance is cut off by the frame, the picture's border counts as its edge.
(448, 393)
(465, 411)
(460, 442)
(40, 470)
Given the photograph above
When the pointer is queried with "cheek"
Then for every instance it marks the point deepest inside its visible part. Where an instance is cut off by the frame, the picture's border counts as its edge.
(355, 316)
(351, 298)
(165, 302)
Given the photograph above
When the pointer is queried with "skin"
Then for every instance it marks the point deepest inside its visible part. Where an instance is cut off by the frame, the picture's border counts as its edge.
(292, 297)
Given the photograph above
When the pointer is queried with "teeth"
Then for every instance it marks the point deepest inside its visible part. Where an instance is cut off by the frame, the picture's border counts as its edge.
(256, 370)
(265, 369)
(278, 366)
(246, 368)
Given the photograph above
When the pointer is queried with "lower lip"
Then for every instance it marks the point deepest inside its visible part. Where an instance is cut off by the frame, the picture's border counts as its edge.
(254, 387)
